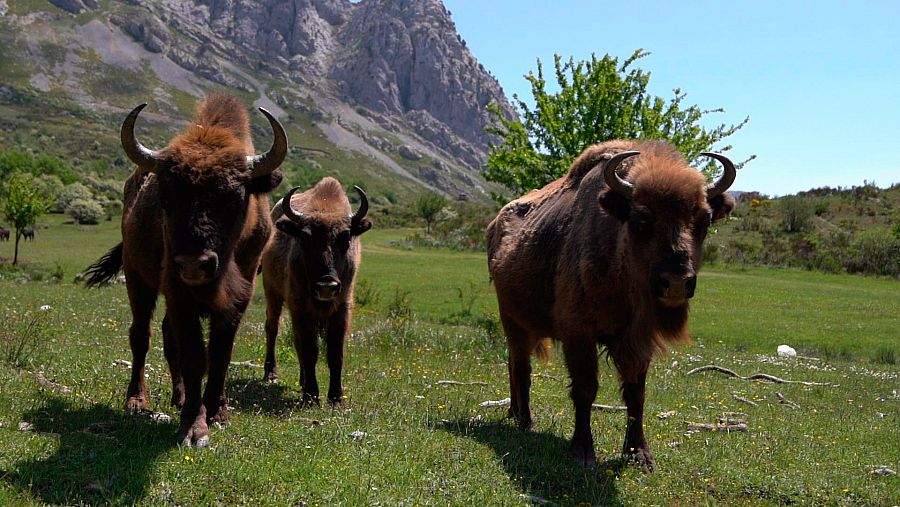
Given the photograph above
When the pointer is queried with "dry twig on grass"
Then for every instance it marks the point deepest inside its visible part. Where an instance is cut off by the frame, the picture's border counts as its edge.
(246, 364)
(608, 408)
(458, 383)
(755, 376)
(745, 400)
(786, 401)
(717, 427)
(39, 376)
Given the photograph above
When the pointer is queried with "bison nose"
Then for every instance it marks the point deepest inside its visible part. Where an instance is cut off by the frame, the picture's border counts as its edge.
(675, 288)
(328, 290)
(197, 268)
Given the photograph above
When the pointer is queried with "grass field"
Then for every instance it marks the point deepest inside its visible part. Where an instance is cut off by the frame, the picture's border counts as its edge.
(405, 439)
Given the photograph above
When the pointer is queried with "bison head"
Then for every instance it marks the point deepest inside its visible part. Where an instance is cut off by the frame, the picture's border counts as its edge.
(327, 246)
(205, 181)
(666, 208)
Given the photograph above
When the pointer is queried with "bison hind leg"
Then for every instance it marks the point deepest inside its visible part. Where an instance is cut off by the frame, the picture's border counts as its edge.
(520, 346)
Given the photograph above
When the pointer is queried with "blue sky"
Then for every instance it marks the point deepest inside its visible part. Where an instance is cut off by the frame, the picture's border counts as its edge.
(819, 80)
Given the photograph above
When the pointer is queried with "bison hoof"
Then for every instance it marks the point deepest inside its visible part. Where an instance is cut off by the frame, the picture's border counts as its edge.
(525, 423)
(270, 377)
(195, 435)
(583, 456)
(337, 402)
(135, 404)
(220, 415)
(641, 457)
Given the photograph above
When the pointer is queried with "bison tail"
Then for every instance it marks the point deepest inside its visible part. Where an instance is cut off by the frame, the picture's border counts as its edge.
(542, 349)
(102, 272)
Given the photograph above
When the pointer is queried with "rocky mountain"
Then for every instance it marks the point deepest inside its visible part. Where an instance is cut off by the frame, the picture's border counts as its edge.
(379, 91)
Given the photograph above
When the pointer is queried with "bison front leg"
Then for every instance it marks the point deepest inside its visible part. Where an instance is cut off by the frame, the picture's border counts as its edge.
(221, 343)
(306, 343)
(143, 301)
(170, 349)
(274, 306)
(634, 377)
(581, 359)
(338, 328)
(193, 429)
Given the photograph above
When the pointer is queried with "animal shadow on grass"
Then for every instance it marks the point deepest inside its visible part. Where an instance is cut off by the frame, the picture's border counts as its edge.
(104, 456)
(539, 463)
(253, 395)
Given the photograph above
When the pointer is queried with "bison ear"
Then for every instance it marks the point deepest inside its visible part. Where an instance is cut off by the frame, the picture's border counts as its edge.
(616, 205)
(360, 227)
(265, 183)
(289, 227)
(721, 205)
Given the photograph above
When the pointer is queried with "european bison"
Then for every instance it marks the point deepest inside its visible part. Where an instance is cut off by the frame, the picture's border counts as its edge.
(4, 234)
(195, 223)
(28, 234)
(311, 266)
(595, 259)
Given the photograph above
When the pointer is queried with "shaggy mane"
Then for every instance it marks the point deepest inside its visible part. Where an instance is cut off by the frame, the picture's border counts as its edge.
(325, 201)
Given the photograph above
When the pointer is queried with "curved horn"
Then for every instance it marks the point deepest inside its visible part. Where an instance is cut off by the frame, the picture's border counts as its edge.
(613, 180)
(363, 205)
(143, 157)
(728, 175)
(261, 165)
(289, 210)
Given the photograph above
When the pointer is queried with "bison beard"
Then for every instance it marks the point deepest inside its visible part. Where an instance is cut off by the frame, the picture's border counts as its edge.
(311, 267)
(194, 226)
(595, 259)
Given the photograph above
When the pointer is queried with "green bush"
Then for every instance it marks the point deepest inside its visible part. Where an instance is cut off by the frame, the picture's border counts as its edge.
(69, 194)
(875, 252)
(85, 211)
(796, 213)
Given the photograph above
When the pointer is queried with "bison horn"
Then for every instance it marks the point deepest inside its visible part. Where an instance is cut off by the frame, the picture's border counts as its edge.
(142, 157)
(289, 210)
(363, 205)
(613, 180)
(727, 178)
(261, 165)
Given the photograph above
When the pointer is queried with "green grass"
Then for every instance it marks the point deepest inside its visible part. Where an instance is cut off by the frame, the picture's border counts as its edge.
(431, 444)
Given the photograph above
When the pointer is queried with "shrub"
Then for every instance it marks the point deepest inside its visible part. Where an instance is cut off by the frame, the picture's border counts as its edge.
(796, 213)
(69, 194)
(85, 211)
(875, 252)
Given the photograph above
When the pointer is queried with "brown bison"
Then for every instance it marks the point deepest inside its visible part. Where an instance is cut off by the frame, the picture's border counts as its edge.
(4, 234)
(195, 223)
(598, 259)
(311, 266)
(28, 234)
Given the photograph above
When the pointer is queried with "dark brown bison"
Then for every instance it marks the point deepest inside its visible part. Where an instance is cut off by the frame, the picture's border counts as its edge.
(311, 266)
(195, 223)
(598, 259)
(28, 234)
(4, 234)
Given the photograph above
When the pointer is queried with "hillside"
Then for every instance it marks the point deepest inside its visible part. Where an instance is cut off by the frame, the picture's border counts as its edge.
(382, 92)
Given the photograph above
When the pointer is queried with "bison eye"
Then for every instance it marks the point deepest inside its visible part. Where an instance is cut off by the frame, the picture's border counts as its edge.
(640, 222)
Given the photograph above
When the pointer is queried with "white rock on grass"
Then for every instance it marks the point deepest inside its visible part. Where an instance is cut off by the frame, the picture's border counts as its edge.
(786, 351)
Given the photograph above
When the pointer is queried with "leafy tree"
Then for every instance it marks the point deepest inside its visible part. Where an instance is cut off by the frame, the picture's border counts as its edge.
(24, 204)
(68, 195)
(428, 206)
(598, 100)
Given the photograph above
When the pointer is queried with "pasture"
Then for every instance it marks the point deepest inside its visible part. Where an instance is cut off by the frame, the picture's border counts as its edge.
(406, 438)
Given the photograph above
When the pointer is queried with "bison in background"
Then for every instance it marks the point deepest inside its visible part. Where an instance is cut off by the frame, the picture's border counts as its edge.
(597, 259)
(28, 234)
(311, 267)
(195, 223)
(4, 234)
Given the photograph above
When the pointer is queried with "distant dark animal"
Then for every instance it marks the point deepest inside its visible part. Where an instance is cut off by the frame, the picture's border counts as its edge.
(28, 234)
(311, 266)
(595, 259)
(4, 234)
(195, 223)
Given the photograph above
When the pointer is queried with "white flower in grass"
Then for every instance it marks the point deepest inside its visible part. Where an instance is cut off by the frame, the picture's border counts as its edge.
(45, 308)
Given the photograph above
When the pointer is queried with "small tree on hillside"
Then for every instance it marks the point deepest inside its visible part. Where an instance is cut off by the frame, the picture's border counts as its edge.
(428, 206)
(24, 204)
(598, 100)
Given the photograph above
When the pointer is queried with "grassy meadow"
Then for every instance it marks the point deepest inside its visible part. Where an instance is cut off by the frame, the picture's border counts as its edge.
(404, 438)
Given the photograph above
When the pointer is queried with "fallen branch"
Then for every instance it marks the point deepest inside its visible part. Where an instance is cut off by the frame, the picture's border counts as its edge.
(755, 376)
(495, 403)
(457, 383)
(39, 376)
(786, 401)
(717, 427)
(608, 408)
(245, 364)
(745, 400)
